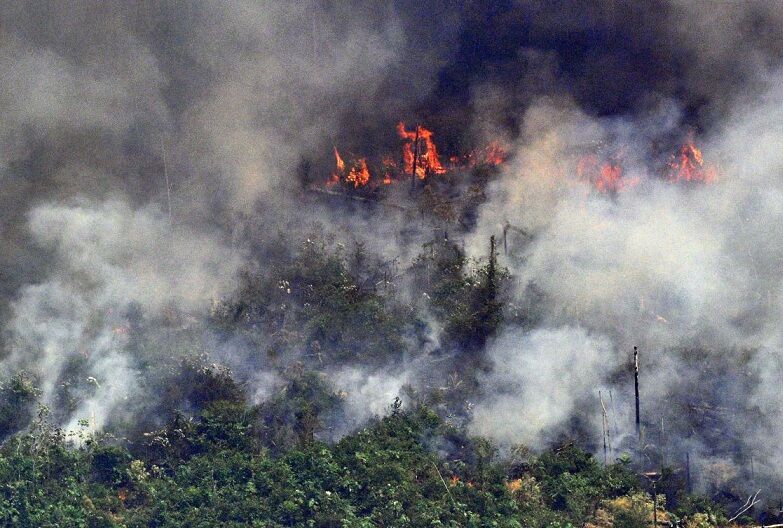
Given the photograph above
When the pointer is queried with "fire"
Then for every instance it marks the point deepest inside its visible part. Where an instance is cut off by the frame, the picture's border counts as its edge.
(610, 178)
(494, 154)
(359, 173)
(422, 162)
(514, 485)
(606, 174)
(339, 169)
(389, 165)
(688, 165)
(420, 157)
(606, 177)
(454, 480)
(339, 161)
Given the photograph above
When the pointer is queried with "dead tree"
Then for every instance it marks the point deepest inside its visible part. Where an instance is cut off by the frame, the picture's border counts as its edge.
(605, 421)
(415, 157)
(752, 501)
(654, 477)
(636, 391)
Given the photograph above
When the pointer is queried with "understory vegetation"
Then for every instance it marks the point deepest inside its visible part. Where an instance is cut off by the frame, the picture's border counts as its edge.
(406, 469)
(200, 444)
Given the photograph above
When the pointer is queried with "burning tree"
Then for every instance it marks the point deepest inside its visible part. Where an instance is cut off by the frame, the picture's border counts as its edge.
(418, 159)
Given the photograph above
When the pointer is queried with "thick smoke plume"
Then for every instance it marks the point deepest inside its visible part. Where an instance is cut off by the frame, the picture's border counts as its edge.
(152, 152)
(669, 268)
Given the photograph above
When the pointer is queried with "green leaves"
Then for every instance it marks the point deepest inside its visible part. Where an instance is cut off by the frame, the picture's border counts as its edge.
(409, 469)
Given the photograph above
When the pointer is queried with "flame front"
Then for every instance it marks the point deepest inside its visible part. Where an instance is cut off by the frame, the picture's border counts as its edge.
(606, 174)
(419, 157)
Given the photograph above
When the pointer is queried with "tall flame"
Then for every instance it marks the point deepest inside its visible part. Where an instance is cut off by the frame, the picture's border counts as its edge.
(423, 161)
(419, 156)
(688, 165)
(339, 161)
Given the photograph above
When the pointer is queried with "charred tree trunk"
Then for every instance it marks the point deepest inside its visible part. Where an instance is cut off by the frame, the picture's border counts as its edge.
(636, 391)
(415, 158)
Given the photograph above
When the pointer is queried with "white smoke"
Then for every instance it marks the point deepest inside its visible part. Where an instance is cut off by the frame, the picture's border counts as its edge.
(538, 380)
(663, 266)
(107, 258)
(367, 394)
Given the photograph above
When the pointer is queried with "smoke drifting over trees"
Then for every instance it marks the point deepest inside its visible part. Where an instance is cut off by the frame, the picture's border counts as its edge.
(156, 163)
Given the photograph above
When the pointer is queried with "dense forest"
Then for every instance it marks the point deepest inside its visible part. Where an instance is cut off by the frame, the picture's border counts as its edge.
(410, 468)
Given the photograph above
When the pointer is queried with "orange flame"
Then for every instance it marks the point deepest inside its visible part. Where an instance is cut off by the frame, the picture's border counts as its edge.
(514, 485)
(494, 154)
(339, 169)
(454, 480)
(359, 174)
(688, 165)
(389, 166)
(425, 161)
(610, 178)
(606, 177)
(339, 161)
(419, 156)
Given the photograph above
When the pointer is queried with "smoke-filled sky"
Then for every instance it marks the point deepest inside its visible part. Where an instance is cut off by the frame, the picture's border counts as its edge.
(139, 140)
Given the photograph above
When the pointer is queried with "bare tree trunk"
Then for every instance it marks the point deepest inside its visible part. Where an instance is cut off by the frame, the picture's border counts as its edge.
(636, 391)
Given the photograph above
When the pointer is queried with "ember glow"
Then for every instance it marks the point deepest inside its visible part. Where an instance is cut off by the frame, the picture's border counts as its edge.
(492, 154)
(605, 176)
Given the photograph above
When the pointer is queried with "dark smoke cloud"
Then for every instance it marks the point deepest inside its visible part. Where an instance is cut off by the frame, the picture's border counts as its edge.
(618, 57)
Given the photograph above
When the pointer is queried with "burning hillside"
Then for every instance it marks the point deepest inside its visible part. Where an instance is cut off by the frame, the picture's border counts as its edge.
(476, 207)
(605, 173)
(418, 155)
(419, 159)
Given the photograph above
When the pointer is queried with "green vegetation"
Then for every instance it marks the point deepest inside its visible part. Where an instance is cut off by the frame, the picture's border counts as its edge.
(407, 469)
(196, 453)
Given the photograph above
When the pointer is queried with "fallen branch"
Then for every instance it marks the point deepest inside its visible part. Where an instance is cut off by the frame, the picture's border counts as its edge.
(453, 502)
(752, 501)
(382, 203)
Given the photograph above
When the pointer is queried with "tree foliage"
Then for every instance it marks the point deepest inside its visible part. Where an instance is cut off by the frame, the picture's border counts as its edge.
(408, 469)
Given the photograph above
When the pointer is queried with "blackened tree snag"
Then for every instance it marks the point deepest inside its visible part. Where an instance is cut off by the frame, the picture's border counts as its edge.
(636, 390)
(415, 157)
